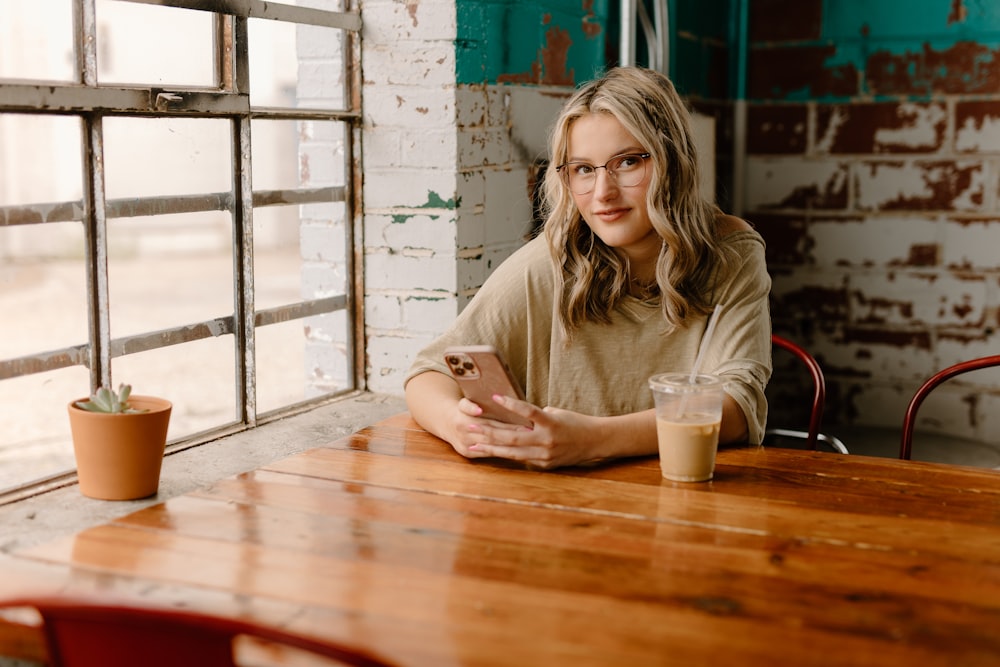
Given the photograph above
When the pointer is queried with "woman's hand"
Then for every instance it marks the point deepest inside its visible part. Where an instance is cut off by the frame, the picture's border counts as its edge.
(557, 438)
(562, 437)
(436, 403)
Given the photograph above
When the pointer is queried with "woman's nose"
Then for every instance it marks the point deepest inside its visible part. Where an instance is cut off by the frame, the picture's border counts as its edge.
(605, 184)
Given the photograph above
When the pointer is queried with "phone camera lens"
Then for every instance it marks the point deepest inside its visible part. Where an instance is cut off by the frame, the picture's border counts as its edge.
(454, 361)
(459, 370)
(468, 365)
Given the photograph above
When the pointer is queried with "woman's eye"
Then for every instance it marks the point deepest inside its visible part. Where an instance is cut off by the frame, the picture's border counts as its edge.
(582, 169)
(627, 162)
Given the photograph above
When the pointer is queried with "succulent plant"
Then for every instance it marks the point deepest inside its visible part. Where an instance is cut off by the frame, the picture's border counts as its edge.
(109, 401)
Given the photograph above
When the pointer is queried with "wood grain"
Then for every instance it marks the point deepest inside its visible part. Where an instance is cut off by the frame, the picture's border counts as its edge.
(390, 540)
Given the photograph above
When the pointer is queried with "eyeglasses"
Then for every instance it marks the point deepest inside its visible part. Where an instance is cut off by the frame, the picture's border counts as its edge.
(627, 170)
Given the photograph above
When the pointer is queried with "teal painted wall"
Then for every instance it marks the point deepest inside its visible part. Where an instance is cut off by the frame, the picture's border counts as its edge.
(554, 42)
(880, 49)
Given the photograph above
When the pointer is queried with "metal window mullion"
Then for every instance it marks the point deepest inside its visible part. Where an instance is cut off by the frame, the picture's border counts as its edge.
(262, 9)
(95, 225)
(242, 214)
(354, 218)
(95, 228)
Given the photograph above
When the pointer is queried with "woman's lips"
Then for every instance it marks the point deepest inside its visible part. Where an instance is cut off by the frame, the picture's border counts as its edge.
(610, 215)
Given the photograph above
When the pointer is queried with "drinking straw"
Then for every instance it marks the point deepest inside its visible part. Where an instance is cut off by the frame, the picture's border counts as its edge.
(709, 330)
(705, 340)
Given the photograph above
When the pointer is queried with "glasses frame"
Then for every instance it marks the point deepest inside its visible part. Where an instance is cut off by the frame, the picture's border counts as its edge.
(612, 173)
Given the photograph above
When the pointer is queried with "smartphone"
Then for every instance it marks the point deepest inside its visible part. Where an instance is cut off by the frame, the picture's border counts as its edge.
(481, 373)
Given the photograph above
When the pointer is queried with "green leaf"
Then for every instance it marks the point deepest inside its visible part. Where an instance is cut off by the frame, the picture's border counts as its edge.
(102, 399)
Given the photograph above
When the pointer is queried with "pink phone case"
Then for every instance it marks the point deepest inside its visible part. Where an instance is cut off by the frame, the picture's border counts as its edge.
(481, 373)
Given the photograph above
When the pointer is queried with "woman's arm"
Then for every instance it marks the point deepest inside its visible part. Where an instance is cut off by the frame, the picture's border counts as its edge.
(559, 437)
(435, 401)
(563, 437)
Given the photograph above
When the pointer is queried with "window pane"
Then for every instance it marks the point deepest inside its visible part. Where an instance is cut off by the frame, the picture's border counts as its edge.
(43, 289)
(36, 40)
(169, 270)
(197, 377)
(140, 43)
(275, 154)
(166, 156)
(276, 256)
(281, 375)
(327, 354)
(36, 441)
(273, 63)
(40, 159)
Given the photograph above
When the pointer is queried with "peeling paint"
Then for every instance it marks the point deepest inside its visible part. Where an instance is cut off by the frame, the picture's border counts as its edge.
(977, 126)
(800, 72)
(958, 12)
(876, 128)
(551, 67)
(434, 200)
(921, 185)
(774, 130)
(590, 24)
(962, 68)
(922, 255)
(529, 43)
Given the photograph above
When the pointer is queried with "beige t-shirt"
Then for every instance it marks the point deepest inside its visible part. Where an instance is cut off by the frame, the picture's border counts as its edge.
(605, 369)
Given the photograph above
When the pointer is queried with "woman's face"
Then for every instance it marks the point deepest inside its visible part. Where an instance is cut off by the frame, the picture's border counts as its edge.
(616, 214)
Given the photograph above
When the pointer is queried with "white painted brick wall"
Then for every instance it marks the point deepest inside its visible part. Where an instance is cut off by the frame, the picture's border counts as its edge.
(445, 190)
(322, 229)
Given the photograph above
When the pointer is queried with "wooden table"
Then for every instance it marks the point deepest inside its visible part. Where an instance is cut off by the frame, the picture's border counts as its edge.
(390, 540)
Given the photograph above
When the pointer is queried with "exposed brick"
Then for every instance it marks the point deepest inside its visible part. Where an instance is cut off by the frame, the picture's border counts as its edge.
(971, 244)
(977, 126)
(880, 128)
(819, 301)
(796, 184)
(956, 68)
(784, 236)
(774, 73)
(921, 185)
(777, 129)
(912, 301)
(873, 242)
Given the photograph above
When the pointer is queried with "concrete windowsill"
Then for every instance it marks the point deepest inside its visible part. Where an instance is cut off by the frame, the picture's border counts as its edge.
(65, 511)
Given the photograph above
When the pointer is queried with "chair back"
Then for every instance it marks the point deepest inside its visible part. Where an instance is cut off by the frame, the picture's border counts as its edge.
(910, 418)
(812, 436)
(81, 632)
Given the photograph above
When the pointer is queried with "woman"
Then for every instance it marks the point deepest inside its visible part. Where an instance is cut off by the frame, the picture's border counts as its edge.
(618, 288)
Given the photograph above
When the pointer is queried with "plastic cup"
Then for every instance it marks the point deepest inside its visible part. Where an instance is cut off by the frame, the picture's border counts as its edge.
(688, 415)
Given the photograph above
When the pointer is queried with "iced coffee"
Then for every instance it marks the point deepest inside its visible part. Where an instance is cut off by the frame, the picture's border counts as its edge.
(688, 416)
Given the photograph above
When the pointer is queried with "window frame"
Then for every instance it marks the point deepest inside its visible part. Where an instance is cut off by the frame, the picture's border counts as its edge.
(91, 102)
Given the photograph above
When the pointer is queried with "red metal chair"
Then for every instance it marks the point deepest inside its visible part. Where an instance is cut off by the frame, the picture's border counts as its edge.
(910, 418)
(812, 438)
(82, 632)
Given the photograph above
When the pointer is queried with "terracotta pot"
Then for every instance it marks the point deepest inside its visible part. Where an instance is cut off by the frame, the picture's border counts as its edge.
(118, 456)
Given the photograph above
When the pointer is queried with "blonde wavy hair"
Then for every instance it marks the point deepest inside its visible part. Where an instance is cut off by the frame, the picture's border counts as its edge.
(594, 277)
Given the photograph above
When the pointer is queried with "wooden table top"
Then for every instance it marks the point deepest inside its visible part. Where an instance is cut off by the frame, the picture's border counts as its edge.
(389, 540)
